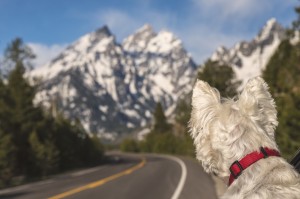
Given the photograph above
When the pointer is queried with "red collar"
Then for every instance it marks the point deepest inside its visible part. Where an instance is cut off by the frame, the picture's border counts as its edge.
(237, 167)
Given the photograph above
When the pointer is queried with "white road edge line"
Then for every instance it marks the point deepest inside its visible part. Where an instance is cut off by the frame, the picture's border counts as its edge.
(181, 183)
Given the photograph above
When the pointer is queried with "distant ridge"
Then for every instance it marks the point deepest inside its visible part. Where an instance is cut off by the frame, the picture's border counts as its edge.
(248, 59)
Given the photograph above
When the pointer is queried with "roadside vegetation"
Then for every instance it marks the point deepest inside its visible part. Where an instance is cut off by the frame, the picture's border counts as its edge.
(34, 143)
(163, 138)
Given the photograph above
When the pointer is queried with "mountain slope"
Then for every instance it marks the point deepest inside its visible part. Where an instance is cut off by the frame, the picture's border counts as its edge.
(112, 88)
(248, 59)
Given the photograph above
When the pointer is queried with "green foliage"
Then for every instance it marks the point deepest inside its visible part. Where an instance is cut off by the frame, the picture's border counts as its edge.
(183, 112)
(160, 122)
(164, 143)
(164, 139)
(7, 160)
(157, 140)
(96, 148)
(129, 145)
(19, 107)
(167, 143)
(296, 23)
(32, 143)
(282, 75)
(76, 148)
(221, 77)
(46, 155)
(182, 117)
(18, 53)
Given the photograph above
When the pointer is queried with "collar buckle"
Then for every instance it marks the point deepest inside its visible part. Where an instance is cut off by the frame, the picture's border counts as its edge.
(236, 175)
(263, 151)
(238, 167)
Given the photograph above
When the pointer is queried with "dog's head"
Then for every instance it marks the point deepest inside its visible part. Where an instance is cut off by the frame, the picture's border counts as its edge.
(224, 130)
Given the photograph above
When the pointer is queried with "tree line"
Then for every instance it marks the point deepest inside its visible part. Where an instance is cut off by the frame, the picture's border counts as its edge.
(164, 137)
(34, 143)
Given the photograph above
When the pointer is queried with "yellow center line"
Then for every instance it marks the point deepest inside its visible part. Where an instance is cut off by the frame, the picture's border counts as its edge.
(100, 182)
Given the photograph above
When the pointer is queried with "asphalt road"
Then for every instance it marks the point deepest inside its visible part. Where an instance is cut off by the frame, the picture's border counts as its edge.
(128, 176)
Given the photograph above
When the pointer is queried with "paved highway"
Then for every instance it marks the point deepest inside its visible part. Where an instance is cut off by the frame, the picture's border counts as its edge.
(128, 176)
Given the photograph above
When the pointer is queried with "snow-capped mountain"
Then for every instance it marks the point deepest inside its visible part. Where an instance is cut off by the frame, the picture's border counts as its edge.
(248, 59)
(112, 87)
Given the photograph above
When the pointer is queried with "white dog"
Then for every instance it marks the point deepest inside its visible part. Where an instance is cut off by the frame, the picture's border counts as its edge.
(227, 131)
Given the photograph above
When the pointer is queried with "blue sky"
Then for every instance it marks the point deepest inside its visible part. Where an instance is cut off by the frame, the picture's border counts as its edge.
(202, 25)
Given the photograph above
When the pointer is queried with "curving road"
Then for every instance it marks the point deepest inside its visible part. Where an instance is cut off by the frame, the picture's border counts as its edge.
(128, 176)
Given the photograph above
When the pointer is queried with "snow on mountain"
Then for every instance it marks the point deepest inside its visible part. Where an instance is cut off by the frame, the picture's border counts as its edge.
(162, 64)
(114, 87)
(248, 59)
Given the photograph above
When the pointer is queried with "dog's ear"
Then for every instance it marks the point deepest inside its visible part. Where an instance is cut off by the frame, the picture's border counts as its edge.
(257, 102)
(204, 97)
(204, 103)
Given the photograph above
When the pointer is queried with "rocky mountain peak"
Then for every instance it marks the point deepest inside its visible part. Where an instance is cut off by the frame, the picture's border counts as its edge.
(139, 40)
(113, 88)
(270, 28)
(103, 31)
(249, 58)
(164, 43)
(146, 29)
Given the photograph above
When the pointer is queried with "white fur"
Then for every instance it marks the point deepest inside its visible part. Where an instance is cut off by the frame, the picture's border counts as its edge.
(225, 130)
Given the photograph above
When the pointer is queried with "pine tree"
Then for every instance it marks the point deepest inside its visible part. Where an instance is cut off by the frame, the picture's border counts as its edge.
(46, 154)
(75, 147)
(182, 112)
(23, 114)
(160, 122)
(5, 104)
(282, 75)
(7, 159)
(182, 116)
(296, 23)
(36, 143)
(18, 53)
(221, 77)
(129, 145)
